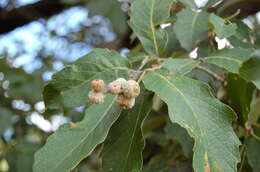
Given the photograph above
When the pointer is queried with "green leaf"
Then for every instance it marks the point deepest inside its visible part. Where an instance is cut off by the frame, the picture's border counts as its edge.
(222, 29)
(173, 45)
(5, 119)
(251, 70)
(176, 132)
(253, 152)
(180, 67)
(204, 49)
(22, 84)
(192, 105)
(20, 158)
(241, 104)
(70, 86)
(145, 17)
(110, 9)
(123, 148)
(191, 27)
(242, 37)
(230, 59)
(189, 3)
(254, 113)
(73, 142)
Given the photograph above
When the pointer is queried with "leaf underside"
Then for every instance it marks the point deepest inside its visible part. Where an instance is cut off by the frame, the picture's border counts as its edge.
(191, 27)
(222, 29)
(123, 148)
(230, 59)
(192, 105)
(74, 142)
(146, 15)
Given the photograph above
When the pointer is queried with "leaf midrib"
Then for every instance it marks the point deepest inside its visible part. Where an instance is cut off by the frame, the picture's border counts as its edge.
(204, 139)
(184, 97)
(193, 24)
(224, 57)
(131, 143)
(84, 138)
(153, 29)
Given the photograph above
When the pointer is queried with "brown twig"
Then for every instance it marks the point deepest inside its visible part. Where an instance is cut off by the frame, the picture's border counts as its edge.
(148, 59)
(214, 75)
(148, 70)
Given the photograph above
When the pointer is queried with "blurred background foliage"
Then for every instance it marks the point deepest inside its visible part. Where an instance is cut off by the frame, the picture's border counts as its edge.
(39, 37)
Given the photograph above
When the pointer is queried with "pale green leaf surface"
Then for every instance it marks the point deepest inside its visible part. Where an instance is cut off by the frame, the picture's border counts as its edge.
(73, 142)
(230, 59)
(180, 67)
(145, 16)
(123, 148)
(70, 86)
(191, 27)
(242, 36)
(251, 71)
(192, 105)
(253, 152)
(222, 29)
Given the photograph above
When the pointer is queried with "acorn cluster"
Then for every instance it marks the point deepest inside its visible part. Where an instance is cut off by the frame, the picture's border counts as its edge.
(126, 92)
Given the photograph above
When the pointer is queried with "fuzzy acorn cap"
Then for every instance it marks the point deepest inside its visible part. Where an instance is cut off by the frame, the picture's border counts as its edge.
(131, 89)
(96, 97)
(97, 85)
(115, 87)
(125, 102)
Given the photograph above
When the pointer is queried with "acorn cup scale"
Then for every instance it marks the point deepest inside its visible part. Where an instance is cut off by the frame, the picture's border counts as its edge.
(97, 85)
(125, 102)
(131, 89)
(96, 97)
(115, 87)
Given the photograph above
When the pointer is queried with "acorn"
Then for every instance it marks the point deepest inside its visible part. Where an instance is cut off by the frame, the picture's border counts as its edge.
(115, 87)
(96, 97)
(131, 89)
(97, 85)
(125, 102)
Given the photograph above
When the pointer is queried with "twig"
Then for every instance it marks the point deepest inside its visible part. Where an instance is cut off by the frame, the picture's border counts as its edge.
(242, 153)
(149, 59)
(144, 62)
(254, 135)
(148, 70)
(214, 75)
(257, 125)
(233, 15)
(250, 130)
